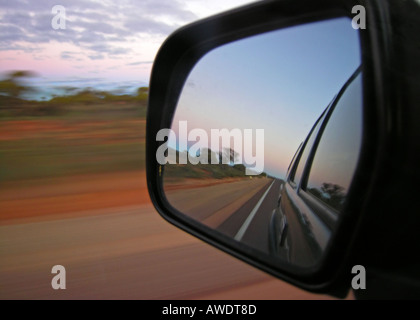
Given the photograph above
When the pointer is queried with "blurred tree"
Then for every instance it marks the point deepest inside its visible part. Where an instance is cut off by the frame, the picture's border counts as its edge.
(142, 93)
(13, 87)
(143, 90)
(336, 194)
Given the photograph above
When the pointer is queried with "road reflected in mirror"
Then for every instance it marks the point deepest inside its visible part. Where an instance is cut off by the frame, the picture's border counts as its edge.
(237, 207)
(265, 140)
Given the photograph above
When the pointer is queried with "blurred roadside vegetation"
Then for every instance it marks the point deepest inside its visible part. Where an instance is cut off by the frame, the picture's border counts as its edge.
(81, 132)
(74, 101)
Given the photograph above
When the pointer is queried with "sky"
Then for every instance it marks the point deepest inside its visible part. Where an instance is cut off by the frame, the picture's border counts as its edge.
(280, 81)
(104, 44)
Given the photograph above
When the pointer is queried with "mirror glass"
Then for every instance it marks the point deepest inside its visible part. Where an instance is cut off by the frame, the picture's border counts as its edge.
(265, 140)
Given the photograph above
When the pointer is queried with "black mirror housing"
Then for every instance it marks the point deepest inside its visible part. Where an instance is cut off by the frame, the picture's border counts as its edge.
(356, 239)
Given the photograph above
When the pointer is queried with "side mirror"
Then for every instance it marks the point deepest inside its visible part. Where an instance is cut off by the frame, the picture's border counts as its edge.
(232, 98)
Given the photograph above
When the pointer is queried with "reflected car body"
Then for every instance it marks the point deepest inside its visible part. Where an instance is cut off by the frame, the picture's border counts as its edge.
(316, 185)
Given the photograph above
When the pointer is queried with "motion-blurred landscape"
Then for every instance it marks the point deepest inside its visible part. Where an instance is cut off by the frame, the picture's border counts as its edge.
(73, 193)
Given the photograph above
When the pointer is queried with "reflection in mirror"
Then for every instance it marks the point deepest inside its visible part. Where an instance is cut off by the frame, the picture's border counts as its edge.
(245, 108)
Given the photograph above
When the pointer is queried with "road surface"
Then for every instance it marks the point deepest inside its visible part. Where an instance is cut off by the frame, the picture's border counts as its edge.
(240, 209)
(118, 248)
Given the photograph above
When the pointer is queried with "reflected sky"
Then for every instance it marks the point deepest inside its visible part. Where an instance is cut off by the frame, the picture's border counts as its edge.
(280, 81)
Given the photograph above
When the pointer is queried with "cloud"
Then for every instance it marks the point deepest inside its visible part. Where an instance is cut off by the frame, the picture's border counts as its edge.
(67, 56)
(147, 25)
(137, 63)
(71, 56)
(99, 27)
(97, 57)
(117, 38)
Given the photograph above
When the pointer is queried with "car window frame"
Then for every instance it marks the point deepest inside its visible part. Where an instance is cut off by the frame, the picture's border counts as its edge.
(302, 148)
(325, 212)
(294, 159)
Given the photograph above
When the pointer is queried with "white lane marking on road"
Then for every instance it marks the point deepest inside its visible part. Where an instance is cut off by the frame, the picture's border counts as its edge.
(248, 220)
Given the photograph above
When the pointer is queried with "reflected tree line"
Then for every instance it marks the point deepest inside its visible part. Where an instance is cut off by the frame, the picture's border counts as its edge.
(206, 163)
(332, 194)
